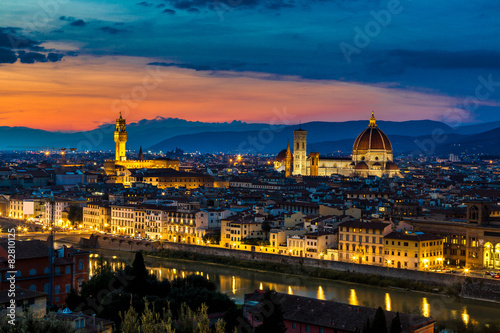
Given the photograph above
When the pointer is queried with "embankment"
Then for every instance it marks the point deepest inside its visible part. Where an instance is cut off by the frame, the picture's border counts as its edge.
(470, 287)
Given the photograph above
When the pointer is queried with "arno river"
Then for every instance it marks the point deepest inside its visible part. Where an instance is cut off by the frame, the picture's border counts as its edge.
(236, 282)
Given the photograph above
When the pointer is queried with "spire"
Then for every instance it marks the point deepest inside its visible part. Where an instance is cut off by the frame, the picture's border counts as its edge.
(288, 147)
(373, 121)
(121, 115)
(141, 157)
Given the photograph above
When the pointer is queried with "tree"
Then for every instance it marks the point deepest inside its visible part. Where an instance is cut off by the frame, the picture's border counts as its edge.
(272, 314)
(140, 274)
(379, 324)
(396, 325)
(266, 227)
(75, 214)
(130, 321)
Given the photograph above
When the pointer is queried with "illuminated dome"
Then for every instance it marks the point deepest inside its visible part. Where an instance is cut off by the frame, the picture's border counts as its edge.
(372, 138)
(281, 156)
(372, 153)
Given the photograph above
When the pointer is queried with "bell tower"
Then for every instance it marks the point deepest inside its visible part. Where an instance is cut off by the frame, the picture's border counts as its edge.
(288, 162)
(299, 152)
(120, 139)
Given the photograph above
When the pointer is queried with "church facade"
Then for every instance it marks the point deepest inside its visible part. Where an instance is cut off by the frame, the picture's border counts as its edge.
(371, 156)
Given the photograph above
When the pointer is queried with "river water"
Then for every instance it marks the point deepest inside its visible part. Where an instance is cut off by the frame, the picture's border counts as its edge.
(236, 282)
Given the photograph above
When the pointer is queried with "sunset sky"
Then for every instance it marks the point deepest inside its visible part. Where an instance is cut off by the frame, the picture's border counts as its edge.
(73, 65)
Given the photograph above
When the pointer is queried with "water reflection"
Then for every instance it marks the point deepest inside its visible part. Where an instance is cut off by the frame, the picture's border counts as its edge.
(321, 293)
(388, 302)
(236, 282)
(353, 299)
(425, 307)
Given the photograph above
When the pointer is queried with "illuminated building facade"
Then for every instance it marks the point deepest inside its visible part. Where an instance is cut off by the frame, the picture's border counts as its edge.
(371, 156)
(120, 163)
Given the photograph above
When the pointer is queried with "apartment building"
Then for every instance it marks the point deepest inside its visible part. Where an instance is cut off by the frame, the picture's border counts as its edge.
(362, 242)
(413, 250)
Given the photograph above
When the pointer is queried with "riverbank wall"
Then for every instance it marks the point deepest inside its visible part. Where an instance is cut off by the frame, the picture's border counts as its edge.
(471, 287)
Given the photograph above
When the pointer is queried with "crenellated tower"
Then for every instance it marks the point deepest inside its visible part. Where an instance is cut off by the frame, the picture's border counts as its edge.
(120, 139)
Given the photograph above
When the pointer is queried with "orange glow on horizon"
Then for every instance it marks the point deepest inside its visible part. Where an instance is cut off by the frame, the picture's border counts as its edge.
(81, 93)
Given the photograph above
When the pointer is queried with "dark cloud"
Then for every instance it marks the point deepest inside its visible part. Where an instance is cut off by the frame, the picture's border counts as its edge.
(183, 4)
(219, 66)
(193, 10)
(111, 30)
(397, 61)
(7, 56)
(58, 31)
(169, 11)
(188, 66)
(160, 5)
(11, 41)
(78, 23)
(67, 18)
(9, 38)
(31, 57)
(145, 4)
(54, 57)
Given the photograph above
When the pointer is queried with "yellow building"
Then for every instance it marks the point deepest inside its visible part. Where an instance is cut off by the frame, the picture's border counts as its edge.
(120, 163)
(97, 216)
(362, 242)
(413, 250)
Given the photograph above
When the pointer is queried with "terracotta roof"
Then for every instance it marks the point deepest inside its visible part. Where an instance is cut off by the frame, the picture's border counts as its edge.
(331, 314)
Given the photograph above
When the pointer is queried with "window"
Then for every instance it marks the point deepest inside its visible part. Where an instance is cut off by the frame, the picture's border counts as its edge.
(307, 328)
(68, 269)
(33, 287)
(80, 264)
(58, 270)
(294, 325)
(32, 271)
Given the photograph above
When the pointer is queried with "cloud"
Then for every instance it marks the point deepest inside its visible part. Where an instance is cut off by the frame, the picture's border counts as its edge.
(193, 10)
(145, 4)
(169, 11)
(54, 57)
(111, 30)
(10, 41)
(9, 38)
(67, 18)
(7, 56)
(187, 66)
(31, 57)
(78, 23)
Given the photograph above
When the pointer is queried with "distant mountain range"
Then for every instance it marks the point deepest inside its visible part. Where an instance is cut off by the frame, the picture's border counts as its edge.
(164, 134)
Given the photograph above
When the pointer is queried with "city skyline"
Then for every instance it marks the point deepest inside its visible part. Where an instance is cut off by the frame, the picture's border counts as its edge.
(73, 66)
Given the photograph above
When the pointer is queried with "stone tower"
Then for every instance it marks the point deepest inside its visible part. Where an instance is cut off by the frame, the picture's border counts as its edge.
(299, 152)
(120, 139)
(288, 162)
(314, 158)
(478, 212)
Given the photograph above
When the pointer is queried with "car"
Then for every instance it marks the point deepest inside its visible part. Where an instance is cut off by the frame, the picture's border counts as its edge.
(487, 273)
(496, 276)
